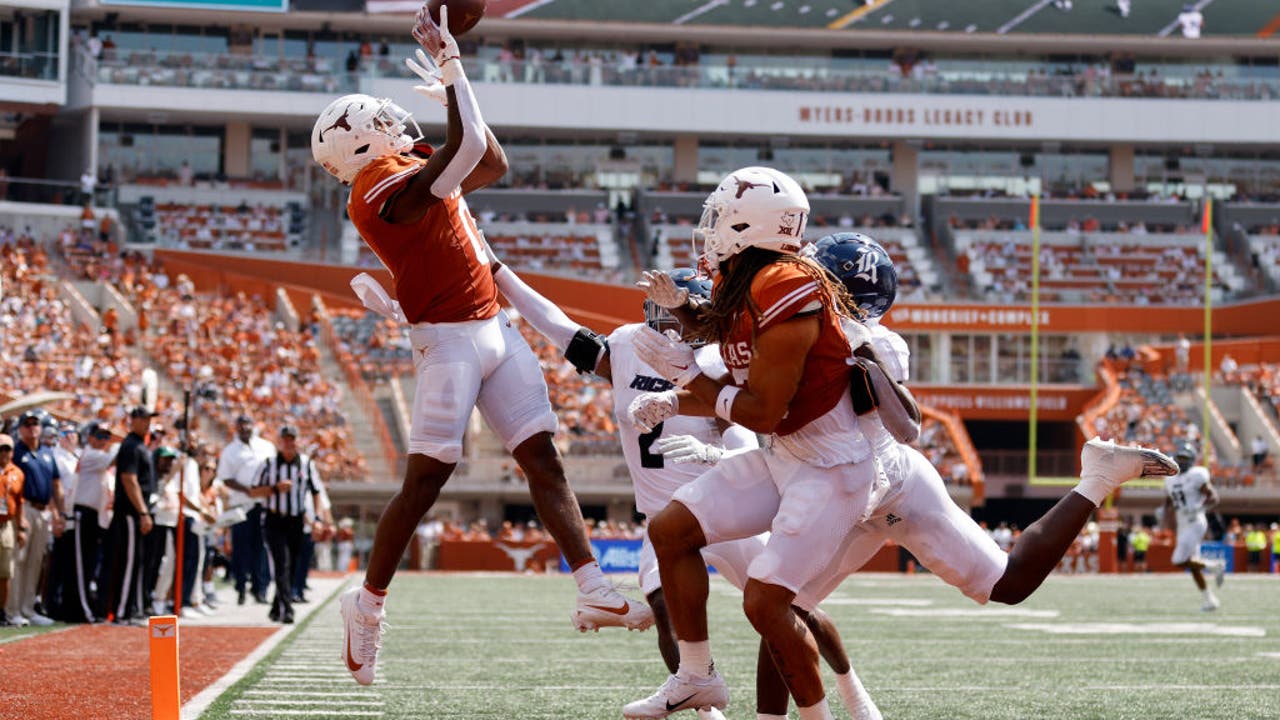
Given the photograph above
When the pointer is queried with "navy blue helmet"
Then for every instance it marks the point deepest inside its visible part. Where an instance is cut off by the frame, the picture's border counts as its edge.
(863, 266)
(661, 319)
(1185, 455)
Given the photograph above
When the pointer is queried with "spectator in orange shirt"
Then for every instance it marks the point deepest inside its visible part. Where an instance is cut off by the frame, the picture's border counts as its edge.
(13, 535)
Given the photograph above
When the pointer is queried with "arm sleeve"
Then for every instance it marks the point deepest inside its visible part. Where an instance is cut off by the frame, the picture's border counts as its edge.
(541, 313)
(474, 142)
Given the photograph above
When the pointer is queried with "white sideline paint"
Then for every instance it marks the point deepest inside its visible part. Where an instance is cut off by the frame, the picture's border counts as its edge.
(894, 602)
(309, 713)
(1142, 629)
(978, 613)
(201, 702)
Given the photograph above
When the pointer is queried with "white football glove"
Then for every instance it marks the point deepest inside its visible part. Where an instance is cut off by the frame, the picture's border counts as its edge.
(856, 333)
(688, 449)
(661, 289)
(434, 85)
(648, 410)
(437, 40)
(666, 354)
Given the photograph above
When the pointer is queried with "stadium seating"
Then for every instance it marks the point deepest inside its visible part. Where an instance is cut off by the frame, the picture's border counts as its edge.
(1077, 267)
(209, 227)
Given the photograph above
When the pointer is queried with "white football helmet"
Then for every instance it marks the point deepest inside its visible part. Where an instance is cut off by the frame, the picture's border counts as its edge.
(355, 129)
(752, 207)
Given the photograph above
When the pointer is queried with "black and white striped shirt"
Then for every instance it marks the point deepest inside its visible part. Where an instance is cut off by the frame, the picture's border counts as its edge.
(301, 472)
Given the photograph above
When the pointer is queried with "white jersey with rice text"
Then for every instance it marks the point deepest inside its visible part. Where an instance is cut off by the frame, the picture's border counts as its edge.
(655, 478)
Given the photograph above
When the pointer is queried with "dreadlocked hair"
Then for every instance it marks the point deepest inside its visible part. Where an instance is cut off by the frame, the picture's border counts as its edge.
(733, 291)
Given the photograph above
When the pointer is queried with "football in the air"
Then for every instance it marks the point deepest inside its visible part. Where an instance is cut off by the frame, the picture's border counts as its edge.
(463, 14)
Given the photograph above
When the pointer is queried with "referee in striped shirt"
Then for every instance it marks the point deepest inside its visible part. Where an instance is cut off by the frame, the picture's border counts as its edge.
(286, 482)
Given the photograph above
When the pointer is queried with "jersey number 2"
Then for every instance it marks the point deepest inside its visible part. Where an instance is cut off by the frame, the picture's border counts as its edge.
(648, 459)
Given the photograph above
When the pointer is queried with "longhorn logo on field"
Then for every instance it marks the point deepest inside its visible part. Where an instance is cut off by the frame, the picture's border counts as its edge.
(162, 630)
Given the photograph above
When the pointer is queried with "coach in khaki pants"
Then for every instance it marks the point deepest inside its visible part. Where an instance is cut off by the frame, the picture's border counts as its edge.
(13, 531)
(42, 511)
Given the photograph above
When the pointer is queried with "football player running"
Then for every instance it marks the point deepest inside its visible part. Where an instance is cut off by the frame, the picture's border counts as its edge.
(407, 202)
(1187, 496)
(668, 456)
(848, 454)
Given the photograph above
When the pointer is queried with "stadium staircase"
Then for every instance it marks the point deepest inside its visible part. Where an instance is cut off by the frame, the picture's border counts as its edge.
(380, 470)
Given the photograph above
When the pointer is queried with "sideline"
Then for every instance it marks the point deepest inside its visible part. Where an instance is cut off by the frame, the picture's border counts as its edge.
(196, 706)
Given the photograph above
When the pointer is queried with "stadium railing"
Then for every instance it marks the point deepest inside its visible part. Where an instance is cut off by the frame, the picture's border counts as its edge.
(316, 74)
(31, 66)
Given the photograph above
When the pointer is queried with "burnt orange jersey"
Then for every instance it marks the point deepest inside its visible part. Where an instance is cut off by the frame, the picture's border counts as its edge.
(778, 293)
(438, 264)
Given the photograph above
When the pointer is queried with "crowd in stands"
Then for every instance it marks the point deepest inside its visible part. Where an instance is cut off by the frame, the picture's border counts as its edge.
(1148, 414)
(380, 347)
(538, 252)
(1092, 272)
(940, 449)
(232, 351)
(210, 227)
(584, 403)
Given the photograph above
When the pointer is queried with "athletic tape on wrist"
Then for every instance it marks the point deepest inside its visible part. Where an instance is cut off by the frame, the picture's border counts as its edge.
(451, 70)
(724, 401)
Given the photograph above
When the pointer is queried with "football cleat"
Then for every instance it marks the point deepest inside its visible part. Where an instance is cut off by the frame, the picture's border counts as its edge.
(680, 693)
(1210, 604)
(1219, 572)
(40, 620)
(710, 713)
(606, 607)
(361, 637)
(1115, 464)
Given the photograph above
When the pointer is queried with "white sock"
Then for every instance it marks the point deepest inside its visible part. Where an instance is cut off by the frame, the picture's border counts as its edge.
(1095, 489)
(855, 697)
(695, 658)
(371, 602)
(589, 577)
(816, 712)
(1208, 595)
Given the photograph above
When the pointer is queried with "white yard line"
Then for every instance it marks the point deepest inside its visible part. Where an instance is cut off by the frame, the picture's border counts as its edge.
(701, 10)
(1022, 17)
(531, 6)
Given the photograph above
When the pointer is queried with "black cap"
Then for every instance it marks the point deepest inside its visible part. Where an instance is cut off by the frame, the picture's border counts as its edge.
(97, 430)
(243, 419)
(141, 412)
(289, 431)
(32, 414)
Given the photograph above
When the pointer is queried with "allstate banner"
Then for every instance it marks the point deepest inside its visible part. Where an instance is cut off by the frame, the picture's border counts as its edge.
(259, 5)
(614, 556)
(1219, 551)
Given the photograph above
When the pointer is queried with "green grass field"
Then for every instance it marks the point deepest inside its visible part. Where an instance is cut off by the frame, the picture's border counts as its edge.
(472, 646)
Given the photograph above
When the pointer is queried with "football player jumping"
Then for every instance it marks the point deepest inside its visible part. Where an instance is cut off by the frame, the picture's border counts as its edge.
(821, 484)
(671, 454)
(407, 202)
(1187, 496)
